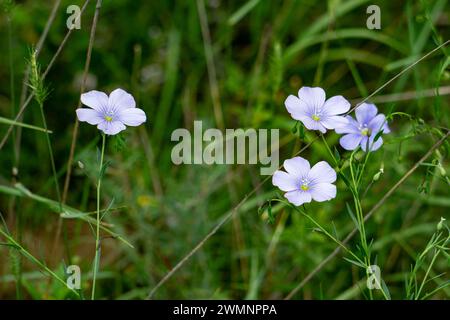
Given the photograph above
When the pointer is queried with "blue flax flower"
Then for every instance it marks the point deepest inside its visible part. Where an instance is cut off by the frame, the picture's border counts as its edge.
(303, 183)
(314, 112)
(110, 114)
(364, 129)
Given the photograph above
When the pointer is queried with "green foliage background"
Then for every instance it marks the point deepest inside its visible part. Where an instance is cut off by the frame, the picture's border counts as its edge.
(262, 52)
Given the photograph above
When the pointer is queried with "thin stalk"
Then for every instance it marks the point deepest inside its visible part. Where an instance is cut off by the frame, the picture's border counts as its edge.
(322, 229)
(97, 234)
(52, 159)
(355, 193)
(329, 150)
(383, 199)
(437, 248)
(356, 180)
(75, 129)
(33, 259)
(360, 218)
(47, 70)
(363, 167)
(11, 78)
(436, 254)
(358, 208)
(18, 265)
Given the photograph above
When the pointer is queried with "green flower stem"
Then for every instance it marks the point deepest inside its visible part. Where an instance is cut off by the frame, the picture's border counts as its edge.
(322, 229)
(329, 150)
(97, 235)
(358, 208)
(356, 181)
(359, 212)
(304, 213)
(50, 151)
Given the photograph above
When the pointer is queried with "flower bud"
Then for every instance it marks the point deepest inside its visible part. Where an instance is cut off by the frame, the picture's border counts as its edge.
(441, 170)
(377, 175)
(440, 225)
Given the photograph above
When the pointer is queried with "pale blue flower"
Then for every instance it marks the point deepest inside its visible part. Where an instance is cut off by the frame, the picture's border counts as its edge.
(363, 130)
(314, 112)
(303, 183)
(110, 114)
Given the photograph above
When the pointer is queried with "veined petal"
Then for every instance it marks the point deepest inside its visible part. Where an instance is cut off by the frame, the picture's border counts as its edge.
(90, 116)
(119, 99)
(284, 181)
(373, 146)
(336, 105)
(297, 167)
(132, 116)
(298, 197)
(364, 143)
(378, 123)
(377, 144)
(95, 99)
(350, 141)
(297, 108)
(312, 96)
(323, 192)
(350, 127)
(334, 122)
(311, 124)
(111, 127)
(365, 113)
(322, 172)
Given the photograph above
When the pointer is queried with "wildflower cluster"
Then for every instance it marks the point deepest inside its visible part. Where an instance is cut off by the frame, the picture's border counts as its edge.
(303, 183)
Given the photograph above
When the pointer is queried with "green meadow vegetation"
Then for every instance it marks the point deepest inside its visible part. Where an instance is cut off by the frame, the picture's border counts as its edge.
(221, 231)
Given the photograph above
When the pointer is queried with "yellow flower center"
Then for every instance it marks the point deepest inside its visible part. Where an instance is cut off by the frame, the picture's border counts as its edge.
(108, 118)
(315, 117)
(304, 187)
(365, 132)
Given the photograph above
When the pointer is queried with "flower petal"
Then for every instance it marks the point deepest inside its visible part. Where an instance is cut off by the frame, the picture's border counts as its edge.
(350, 141)
(312, 96)
(323, 192)
(95, 99)
(311, 124)
(297, 108)
(111, 128)
(336, 105)
(284, 181)
(90, 116)
(364, 143)
(119, 99)
(378, 123)
(334, 122)
(365, 113)
(351, 126)
(322, 172)
(298, 197)
(377, 144)
(373, 146)
(132, 116)
(297, 167)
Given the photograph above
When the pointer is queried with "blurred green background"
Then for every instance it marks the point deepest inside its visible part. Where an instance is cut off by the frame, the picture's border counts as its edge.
(261, 52)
